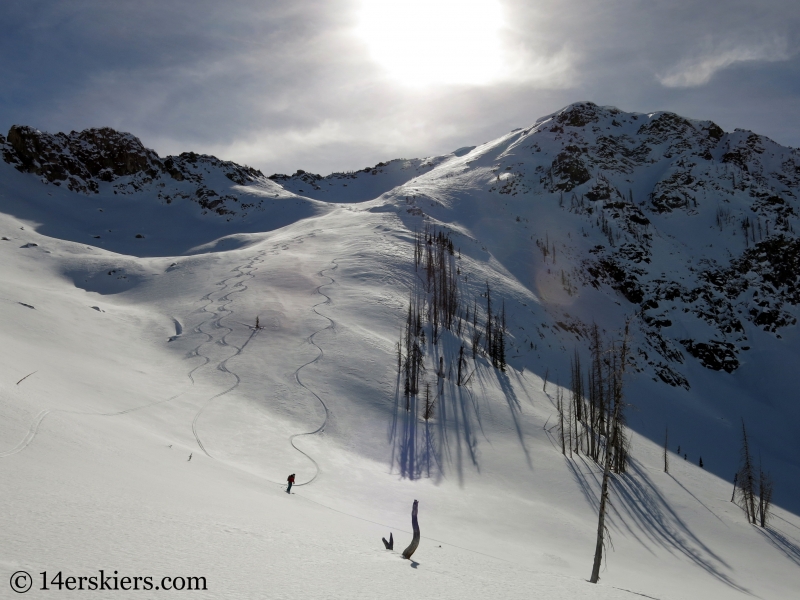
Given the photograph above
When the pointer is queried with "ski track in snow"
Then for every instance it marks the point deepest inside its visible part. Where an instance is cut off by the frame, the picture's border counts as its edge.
(310, 340)
(223, 312)
(34, 428)
(215, 320)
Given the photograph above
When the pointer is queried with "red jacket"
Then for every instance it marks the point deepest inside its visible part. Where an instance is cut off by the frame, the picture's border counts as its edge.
(290, 479)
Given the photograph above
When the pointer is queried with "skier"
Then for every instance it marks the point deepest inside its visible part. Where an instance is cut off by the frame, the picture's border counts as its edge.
(290, 479)
(190, 457)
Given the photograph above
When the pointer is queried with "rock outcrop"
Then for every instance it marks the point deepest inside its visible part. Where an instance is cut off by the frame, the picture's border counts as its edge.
(83, 161)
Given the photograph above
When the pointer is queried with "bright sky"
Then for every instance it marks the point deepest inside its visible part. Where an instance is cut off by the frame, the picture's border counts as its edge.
(435, 42)
(343, 84)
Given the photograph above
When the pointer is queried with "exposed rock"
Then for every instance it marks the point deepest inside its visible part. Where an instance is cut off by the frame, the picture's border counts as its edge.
(82, 161)
(714, 354)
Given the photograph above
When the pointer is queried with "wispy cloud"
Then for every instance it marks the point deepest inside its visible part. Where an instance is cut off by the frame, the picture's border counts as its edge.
(291, 84)
(699, 69)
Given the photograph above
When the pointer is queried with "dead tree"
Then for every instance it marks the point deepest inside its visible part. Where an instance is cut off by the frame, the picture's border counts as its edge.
(601, 521)
(560, 403)
(569, 427)
(390, 544)
(666, 455)
(489, 332)
(476, 333)
(461, 362)
(764, 496)
(412, 547)
(747, 479)
(428, 402)
(618, 360)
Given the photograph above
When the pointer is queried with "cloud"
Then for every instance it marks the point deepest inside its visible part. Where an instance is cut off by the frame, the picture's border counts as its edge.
(698, 70)
(290, 84)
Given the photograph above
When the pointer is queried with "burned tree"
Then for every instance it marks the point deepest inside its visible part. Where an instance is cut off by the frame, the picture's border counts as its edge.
(435, 306)
(495, 332)
(560, 404)
(461, 362)
(748, 485)
(577, 398)
(412, 547)
(764, 496)
(429, 404)
(747, 479)
(616, 450)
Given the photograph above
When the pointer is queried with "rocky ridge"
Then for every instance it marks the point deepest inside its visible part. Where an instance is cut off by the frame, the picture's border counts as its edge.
(84, 161)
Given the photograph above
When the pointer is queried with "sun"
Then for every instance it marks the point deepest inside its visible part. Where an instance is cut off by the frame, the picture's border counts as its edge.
(424, 42)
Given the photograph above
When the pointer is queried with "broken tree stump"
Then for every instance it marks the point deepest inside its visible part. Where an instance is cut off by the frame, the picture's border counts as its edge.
(390, 544)
(415, 541)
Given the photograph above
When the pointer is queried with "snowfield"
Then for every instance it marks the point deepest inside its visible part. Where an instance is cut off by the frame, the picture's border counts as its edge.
(147, 427)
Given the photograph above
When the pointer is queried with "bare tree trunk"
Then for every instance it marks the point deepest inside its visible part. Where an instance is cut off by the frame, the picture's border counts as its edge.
(575, 411)
(560, 401)
(666, 455)
(747, 483)
(412, 547)
(569, 427)
(601, 521)
(460, 361)
(390, 544)
(764, 496)
(612, 441)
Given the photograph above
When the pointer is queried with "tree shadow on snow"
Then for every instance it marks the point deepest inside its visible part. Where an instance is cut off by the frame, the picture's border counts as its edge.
(639, 500)
(423, 448)
(449, 440)
(415, 447)
(788, 547)
(588, 481)
(700, 502)
(638, 509)
(510, 395)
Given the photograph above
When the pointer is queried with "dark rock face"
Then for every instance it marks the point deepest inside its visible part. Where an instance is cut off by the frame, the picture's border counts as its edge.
(714, 355)
(579, 114)
(82, 161)
(569, 170)
(310, 179)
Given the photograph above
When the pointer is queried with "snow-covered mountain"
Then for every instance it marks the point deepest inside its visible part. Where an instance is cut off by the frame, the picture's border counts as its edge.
(131, 287)
(683, 229)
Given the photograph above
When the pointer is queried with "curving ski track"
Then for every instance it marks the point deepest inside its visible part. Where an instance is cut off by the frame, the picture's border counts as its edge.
(215, 321)
(37, 421)
(310, 340)
(33, 430)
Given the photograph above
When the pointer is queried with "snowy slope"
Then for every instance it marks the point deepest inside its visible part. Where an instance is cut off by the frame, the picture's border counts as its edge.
(135, 371)
(365, 184)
